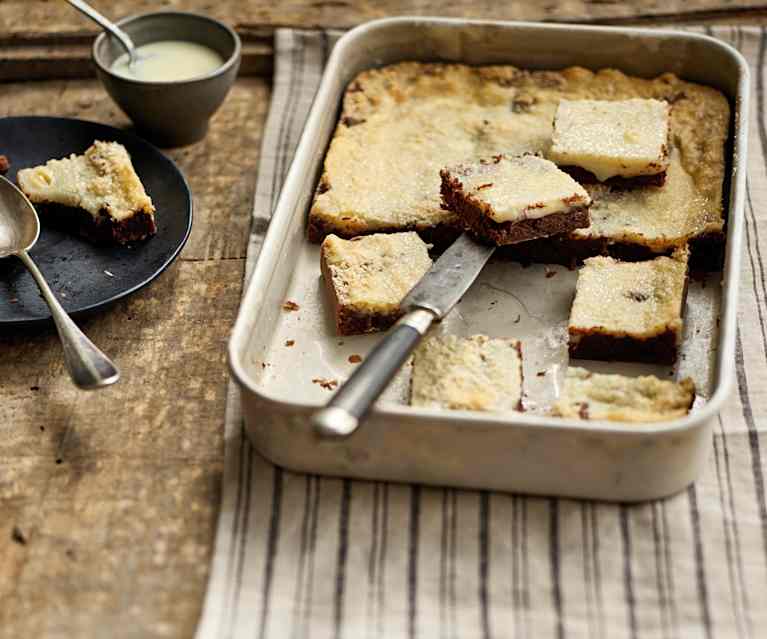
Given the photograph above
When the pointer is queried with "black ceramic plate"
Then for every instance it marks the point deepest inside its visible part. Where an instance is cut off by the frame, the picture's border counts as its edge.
(86, 277)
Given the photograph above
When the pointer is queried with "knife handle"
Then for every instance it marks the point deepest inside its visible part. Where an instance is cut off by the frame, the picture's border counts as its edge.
(342, 415)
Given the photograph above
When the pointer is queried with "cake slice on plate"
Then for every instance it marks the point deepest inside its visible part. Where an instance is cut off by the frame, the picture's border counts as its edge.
(98, 194)
(507, 200)
(588, 395)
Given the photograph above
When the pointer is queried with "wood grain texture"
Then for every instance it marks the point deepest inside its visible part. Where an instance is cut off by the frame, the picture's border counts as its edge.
(109, 499)
(40, 60)
(41, 39)
(30, 19)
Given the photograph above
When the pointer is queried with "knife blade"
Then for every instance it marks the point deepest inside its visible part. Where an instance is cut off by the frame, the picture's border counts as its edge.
(446, 282)
(437, 292)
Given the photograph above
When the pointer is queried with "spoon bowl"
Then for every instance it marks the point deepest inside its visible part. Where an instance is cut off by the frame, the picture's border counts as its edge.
(88, 367)
(19, 224)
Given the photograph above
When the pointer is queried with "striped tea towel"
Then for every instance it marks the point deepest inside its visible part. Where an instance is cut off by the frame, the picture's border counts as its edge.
(302, 556)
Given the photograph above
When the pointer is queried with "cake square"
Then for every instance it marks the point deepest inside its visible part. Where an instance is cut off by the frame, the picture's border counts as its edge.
(98, 194)
(623, 141)
(507, 200)
(629, 311)
(467, 373)
(367, 277)
(594, 396)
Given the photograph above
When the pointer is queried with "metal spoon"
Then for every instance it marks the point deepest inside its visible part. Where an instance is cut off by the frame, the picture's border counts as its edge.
(123, 38)
(19, 230)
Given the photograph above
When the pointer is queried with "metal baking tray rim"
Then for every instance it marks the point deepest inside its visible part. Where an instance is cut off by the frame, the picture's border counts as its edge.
(275, 239)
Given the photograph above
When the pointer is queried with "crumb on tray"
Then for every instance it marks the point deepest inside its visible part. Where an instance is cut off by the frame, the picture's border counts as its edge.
(290, 305)
(355, 359)
(327, 384)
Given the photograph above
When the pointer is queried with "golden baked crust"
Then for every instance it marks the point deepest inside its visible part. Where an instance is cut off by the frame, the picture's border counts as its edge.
(612, 139)
(640, 300)
(367, 277)
(400, 124)
(588, 395)
(467, 373)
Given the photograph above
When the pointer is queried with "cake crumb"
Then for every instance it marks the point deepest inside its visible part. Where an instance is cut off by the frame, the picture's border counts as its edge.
(290, 305)
(5, 164)
(108, 273)
(18, 536)
(541, 373)
(550, 273)
(355, 359)
(13, 300)
(327, 384)
(516, 321)
(290, 342)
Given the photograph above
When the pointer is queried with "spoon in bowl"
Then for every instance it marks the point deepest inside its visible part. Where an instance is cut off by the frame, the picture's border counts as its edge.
(19, 230)
(123, 38)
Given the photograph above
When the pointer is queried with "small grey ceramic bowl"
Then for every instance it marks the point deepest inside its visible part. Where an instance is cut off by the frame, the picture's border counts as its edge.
(170, 113)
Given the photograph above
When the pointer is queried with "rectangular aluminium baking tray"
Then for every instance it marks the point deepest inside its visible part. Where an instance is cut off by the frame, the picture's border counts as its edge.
(525, 452)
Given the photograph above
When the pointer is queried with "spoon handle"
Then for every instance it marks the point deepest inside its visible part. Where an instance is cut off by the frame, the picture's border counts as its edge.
(106, 24)
(87, 365)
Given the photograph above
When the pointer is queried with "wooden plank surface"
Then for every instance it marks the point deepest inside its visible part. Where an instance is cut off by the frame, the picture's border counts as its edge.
(40, 39)
(109, 499)
(33, 18)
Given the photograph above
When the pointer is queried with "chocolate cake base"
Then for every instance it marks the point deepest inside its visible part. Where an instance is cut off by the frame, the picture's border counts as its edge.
(353, 322)
(571, 252)
(661, 349)
(440, 235)
(706, 251)
(583, 176)
(512, 232)
(101, 230)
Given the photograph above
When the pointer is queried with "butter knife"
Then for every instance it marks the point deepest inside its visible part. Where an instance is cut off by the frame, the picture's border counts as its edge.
(430, 300)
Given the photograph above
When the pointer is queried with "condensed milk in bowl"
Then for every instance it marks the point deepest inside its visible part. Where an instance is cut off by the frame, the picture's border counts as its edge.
(187, 63)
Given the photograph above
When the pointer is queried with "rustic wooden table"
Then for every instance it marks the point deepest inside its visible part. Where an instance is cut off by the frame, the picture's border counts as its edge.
(109, 500)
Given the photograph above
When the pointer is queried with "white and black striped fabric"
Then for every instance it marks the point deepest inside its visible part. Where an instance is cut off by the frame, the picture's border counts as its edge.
(301, 556)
